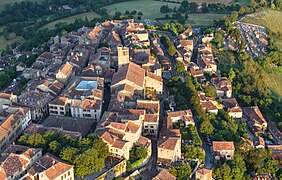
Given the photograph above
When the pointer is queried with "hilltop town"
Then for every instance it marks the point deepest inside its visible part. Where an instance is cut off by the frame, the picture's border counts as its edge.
(116, 81)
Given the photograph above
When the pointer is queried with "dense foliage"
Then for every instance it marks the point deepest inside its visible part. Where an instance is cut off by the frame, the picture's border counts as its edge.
(87, 154)
(165, 40)
(181, 172)
(137, 155)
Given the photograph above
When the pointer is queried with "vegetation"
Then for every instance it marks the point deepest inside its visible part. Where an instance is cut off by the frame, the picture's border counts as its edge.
(181, 172)
(88, 154)
(137, 155)
(179, 67)
(71, 19)
(269, 18)
(258, 161)
(150, 8)
(171, 49)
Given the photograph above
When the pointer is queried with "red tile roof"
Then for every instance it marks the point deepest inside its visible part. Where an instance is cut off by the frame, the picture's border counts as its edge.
(130, 72)
(223, 145)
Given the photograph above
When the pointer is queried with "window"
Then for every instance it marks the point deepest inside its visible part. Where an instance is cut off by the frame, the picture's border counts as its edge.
(62, 113)
(69, 173)
(86, 115)
(61, 108)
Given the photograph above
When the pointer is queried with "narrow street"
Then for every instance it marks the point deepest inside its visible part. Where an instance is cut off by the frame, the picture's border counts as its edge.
(208, 149)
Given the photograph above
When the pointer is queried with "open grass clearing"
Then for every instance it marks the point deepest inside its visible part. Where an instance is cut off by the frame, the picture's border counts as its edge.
(204, 19)
(274, 81)
(10, 40)
(149, 8)
(211, 1)
(199, 19)
(269, 18)
(71, 19)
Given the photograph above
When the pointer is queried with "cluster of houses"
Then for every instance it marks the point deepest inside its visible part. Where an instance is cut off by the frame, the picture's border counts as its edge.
(256, 123)
(109, 80)
(256, 38)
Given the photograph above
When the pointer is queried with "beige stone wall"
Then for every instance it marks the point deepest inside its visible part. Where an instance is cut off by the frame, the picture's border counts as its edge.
(152, 83)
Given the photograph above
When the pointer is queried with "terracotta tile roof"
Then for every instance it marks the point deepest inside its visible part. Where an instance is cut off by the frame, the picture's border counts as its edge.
(151, 107)
(151, 118)
(95, 33)
(132, 127)
(222, 83)
(143, 141)
(253, 113)
(51, 166)
(179, 113)
(66, 68)
(130, 72)
(119, 126)
(168, 143)
(164, 175)
(186, 43)
(5, 96)
(223, 145)
(234, 110)
(17, 159)
(119, 144)
(87, 103)
(60, 101)
(229, 103)
(208, 105)
(204, 171)
(154, 76)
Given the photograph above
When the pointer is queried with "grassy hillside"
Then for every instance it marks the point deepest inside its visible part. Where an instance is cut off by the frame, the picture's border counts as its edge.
(71, 19)
(274, 81)
(269, 18)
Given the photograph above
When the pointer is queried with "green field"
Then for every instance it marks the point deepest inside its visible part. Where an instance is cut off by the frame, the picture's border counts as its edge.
(211, 1)
(10, 40)
(269, 18)
(71, 19)
(274, 82)
(205, 19)
(149, 8)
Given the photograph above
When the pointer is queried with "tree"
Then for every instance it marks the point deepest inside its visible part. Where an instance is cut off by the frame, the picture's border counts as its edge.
(141, 152)
(88, 162)
(182, 172)
(231, 75)
(55, 147)
(223, 173)
(218, 39)
(164, 9)
(179, 67)
(205, 8)
(206, 127)
(133, 12)
(68, 154)
(140, 13)
(210, 91)
(233, 16)
(36, 140)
